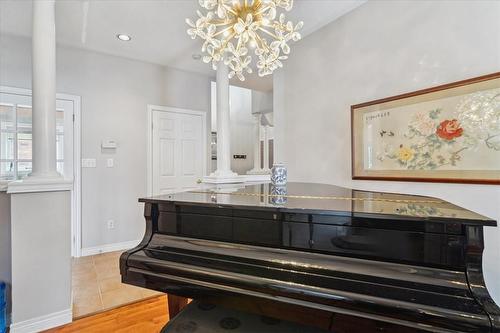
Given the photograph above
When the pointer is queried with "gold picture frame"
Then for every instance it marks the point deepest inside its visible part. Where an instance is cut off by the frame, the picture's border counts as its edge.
(449, 133)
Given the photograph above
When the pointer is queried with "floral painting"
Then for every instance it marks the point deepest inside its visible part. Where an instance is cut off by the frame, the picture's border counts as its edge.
(454, 135)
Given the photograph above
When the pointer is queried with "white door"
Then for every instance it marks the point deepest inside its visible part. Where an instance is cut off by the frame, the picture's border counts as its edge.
(178, 149)
(16, 143)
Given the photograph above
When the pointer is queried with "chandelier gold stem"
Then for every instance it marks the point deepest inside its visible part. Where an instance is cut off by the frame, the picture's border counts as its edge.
(221, 24)
(263, 45)
(261, 10)
(226, 42)
(229, 9)
(222, 31)
(268, 32)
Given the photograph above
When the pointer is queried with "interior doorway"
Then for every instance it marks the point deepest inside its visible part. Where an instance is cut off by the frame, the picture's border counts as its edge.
(16, 145)
(177, 149)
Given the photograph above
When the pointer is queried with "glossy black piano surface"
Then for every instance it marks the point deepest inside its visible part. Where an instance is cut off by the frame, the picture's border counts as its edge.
(405, 263)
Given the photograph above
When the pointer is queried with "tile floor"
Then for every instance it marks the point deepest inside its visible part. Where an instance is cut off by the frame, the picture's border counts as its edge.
(97, 285)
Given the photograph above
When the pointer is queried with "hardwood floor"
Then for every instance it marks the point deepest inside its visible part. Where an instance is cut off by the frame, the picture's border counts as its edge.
(147, 316)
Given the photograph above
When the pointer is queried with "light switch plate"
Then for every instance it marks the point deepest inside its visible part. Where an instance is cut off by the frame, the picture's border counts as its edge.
(89, 163)
(110, 163)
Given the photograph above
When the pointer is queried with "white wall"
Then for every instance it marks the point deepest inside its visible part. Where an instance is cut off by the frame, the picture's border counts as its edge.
(115, 93)
(262, 102)
(187, 90)
(381, 49)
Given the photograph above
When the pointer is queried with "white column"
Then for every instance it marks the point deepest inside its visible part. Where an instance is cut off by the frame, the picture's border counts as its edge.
(223, 174)
(266, 149)
(256, 151)
(223, 123)
(279, 116)
(44, 90)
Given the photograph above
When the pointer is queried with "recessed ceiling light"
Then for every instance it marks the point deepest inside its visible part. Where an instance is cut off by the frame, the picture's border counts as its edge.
(196, 56)
(123, 37)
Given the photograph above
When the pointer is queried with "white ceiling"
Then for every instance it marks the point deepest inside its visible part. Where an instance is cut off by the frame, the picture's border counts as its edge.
(157, 27)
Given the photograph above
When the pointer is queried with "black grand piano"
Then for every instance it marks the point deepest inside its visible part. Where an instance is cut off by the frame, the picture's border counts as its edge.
(339, 259)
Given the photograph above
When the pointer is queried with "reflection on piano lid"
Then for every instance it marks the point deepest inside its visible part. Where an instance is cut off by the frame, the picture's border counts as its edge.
(327, 198)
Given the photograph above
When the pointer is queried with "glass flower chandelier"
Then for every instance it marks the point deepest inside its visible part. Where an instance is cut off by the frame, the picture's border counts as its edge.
(230, 28)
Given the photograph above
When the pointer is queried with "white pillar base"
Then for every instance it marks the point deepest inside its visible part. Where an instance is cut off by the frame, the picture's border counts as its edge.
(35, 184)
(223, 179)
(258, 172)
(44, 175)
(258, 178)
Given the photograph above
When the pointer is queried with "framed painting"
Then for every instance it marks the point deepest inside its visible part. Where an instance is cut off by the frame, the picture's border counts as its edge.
(449, 133)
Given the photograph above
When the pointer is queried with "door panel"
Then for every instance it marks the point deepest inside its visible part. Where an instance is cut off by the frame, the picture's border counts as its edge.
(167, 153)
(188, 157)
(178, 152)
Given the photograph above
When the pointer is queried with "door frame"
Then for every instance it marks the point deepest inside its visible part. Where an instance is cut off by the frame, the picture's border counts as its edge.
(158, 108)
(76, 201)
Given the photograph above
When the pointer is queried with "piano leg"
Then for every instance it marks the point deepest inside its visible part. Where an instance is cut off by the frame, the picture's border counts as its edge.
(175, 305)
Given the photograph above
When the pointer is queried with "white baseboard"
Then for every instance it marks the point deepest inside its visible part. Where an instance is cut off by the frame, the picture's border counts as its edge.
(90, 251)
(43, 322)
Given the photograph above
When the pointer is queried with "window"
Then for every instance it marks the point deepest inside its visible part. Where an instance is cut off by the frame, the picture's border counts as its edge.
(16, 143)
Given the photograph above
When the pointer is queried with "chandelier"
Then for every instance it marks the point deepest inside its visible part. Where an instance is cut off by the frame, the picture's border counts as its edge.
(230, 28)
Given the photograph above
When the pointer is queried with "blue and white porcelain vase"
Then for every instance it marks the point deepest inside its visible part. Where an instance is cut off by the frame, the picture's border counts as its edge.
(279, 174)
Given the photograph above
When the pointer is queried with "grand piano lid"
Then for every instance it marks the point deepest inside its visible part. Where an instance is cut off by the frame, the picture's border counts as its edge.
(326, 199)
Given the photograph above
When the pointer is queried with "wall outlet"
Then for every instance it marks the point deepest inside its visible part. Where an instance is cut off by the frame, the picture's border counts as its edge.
(111, 224)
